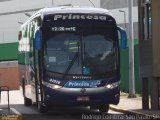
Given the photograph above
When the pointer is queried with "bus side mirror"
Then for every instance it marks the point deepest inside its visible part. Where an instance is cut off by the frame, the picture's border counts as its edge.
(37, 40)
(123, 39)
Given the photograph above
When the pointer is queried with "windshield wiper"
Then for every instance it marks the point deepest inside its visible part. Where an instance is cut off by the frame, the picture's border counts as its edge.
(72, 62)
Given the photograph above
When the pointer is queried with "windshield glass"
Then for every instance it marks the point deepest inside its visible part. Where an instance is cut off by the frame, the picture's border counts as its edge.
(60, 50)
(99, 57)
(70, 53)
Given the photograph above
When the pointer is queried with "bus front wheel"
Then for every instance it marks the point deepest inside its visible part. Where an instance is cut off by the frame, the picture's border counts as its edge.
(104, 108)
(42, 108)
(27, 101)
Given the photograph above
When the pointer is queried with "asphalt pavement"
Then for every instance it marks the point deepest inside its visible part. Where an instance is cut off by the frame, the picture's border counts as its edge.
(128, 108)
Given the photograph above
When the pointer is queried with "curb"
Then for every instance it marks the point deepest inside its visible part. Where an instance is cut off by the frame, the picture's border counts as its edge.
(15, 116)
(118, 109)
(11, 117)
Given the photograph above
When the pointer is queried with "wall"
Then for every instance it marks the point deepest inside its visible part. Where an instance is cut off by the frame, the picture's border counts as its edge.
(9, 67)
(125, 68)
(8, 51)
(9, 74)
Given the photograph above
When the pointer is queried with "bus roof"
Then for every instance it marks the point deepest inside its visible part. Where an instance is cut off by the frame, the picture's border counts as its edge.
(68, 9)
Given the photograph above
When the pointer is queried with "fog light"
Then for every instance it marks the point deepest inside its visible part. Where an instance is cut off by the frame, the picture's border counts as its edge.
(47, 96)
(117, 96)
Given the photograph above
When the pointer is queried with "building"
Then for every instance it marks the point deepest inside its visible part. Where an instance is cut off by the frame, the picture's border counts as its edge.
(149, 16)
(12, 14)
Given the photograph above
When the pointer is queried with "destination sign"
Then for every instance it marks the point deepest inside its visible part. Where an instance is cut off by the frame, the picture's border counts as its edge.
(79, 16)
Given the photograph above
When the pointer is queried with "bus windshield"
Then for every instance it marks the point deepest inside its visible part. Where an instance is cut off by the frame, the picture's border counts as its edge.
(82, 54)
(60, 50)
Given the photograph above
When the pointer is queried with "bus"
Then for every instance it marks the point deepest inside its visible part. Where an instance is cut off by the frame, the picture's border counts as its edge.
(70, 56)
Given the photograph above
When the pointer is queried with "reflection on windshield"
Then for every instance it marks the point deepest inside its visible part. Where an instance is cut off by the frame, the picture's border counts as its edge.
(99, 54)
(95, 56)
(60, 51)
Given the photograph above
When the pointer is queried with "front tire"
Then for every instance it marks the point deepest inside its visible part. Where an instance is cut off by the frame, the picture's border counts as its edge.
(27, 101)
(42, 108)
(104, 108)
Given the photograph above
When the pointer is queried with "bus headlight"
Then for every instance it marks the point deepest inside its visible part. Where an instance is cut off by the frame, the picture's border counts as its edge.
(112, 85)
(52, 86)
(56, 86)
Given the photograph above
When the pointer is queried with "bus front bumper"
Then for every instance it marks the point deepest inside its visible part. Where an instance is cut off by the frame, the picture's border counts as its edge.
(81, 96)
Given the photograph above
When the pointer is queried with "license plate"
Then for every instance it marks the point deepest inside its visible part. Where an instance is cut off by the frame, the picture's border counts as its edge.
(83, 98)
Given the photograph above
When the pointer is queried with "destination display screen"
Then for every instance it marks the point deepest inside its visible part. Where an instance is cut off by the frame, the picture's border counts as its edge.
(61, 29)
(79, 16)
